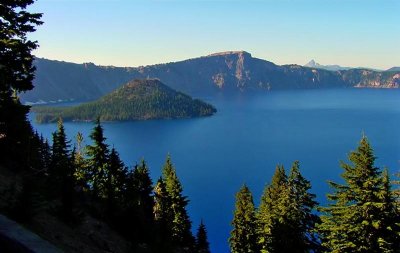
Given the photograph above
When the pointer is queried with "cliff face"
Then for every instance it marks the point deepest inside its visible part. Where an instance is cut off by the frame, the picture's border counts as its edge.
(371, 79)
(220, 72)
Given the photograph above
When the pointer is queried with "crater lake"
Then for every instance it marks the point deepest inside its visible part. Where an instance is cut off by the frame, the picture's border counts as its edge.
(248, 136)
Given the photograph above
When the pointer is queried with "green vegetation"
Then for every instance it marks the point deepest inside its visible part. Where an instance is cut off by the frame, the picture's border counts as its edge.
(244, 234)
(180, 223)
(137, 100)
(70, 184)
(284, 221)
(16, 75)
(93, 181)
(363, 216)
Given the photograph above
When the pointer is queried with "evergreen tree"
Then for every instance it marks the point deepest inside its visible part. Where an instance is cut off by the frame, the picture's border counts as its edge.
(389, 223)
(163, 217)
(144, 187)
(202, 245)
(396, 191)
(181, 224)
(302, 220)
(45, 153)
(80, 164)
(61, 172)
(361, 216)
(273, 214)
(114, 183)
(143, 202)
(97, 163)
(137, 223)
(285, 219)
(60, 159)
(243, 237)
(39, 155)
(16, 75)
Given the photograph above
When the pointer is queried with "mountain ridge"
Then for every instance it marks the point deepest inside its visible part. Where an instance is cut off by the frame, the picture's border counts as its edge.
(397, 69)
(231, 71)
(314, 64)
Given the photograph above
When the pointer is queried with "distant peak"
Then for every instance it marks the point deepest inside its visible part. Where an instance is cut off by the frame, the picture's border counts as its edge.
(311, 63)
(229, 53)
(314, 64)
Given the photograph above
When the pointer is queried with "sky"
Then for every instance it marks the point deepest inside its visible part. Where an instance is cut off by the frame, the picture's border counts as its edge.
(354, 33)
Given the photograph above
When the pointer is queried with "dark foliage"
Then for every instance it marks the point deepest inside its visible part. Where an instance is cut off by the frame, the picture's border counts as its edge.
(137, 100)
(16, 75)
(202, 244)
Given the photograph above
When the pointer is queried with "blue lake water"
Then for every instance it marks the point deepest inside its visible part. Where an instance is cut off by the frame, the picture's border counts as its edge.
(249, 136)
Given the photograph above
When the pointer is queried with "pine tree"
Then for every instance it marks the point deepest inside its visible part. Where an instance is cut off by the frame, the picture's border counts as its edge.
(389, 223)
(114, 184)
(396, 190)
(60, 159)
(273, 213)
(79, 164)
(144, 187)
(36, 159)
(45, 153)
(202, 245)
(97, 163)
(163, 217)
(181, 224)
(16, 75)
(243, 237)
(302, 220)
(61, 172)
(361, 216)
(139, 202)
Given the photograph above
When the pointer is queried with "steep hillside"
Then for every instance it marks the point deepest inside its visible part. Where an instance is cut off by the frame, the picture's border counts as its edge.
(221, 72)
(136, 100)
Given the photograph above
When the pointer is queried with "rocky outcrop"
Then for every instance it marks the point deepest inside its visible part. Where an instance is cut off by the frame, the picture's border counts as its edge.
(233, 71)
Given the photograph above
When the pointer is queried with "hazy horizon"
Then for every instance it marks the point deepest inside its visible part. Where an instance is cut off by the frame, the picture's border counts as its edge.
(350, 33)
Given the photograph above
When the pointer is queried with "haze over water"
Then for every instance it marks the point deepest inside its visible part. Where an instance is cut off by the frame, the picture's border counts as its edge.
(249, 136)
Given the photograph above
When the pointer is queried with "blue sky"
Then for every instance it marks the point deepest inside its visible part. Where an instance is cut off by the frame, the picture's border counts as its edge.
(133, 33)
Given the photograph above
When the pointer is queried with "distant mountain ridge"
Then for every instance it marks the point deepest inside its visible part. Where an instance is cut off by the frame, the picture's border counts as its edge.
(394, 69)
(313, 64)
(226, 72)
(136, 100)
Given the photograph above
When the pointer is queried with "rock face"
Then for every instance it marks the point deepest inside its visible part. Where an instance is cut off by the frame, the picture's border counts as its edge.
(230, 71)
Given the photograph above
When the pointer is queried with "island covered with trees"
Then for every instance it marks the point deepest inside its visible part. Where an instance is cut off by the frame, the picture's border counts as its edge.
(136, 100)
(83, 198)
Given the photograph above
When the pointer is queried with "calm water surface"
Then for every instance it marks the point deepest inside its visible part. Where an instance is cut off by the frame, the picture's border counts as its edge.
(249, 135)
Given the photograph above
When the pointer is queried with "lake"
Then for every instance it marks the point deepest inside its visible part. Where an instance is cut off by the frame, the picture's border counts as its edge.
(249, 136)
